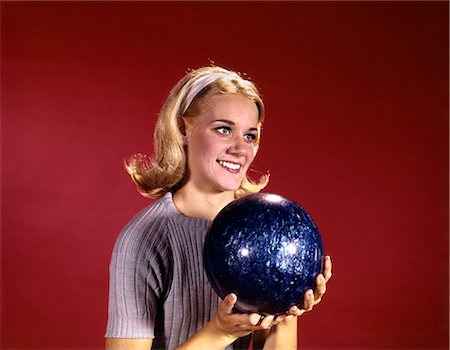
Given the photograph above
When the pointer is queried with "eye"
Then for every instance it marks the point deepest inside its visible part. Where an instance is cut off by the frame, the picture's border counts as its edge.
(250, 137)
(223, 130)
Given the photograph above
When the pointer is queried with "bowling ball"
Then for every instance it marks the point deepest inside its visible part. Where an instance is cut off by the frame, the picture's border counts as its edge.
(266, 249)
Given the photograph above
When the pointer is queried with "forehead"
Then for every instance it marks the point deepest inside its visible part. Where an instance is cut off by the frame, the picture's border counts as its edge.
(233, 107)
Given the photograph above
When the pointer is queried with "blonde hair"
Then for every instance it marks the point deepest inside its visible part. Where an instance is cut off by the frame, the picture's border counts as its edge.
(166, 172)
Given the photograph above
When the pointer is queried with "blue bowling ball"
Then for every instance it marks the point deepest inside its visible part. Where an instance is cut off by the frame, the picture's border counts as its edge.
(266, 249)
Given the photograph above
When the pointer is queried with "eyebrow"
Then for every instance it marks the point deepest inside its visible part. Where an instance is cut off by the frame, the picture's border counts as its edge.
(232, 123)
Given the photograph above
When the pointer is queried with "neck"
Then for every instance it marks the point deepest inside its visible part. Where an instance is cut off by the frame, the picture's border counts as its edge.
(205, 205)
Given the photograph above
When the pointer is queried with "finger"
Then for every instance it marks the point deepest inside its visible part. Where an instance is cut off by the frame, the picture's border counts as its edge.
(266, 323)
(321, 288)
(308, 301)
(255, 319)
(294, 311)
(260, 320)
(243, 319)
(327, 273)
(289, 317)
(280, 318)
(277, 319)
(228, 303)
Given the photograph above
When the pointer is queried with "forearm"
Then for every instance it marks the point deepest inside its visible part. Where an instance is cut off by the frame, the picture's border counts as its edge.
(283, 336)
(208, 338)
(128, 344)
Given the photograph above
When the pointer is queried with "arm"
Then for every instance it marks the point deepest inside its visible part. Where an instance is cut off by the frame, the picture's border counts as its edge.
(226, 327)
(139, 252)
(283, 335)
(128, 344)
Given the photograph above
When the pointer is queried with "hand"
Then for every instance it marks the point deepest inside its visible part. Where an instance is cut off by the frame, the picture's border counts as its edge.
(226, 326)
(235, 325)
(313, 298)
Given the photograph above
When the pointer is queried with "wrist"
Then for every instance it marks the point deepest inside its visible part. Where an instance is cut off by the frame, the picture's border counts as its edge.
(219, 333)
(283, 335)
(288, 322)
(208, 338)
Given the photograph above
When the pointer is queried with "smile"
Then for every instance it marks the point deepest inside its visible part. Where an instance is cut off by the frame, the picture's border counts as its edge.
(232, 167)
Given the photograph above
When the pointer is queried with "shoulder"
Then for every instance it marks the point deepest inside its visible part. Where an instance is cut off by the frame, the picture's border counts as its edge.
(142, 250)
(149, 227)
(152, 215)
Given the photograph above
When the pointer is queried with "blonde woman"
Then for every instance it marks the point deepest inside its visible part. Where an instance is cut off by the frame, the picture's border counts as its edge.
(206, 138)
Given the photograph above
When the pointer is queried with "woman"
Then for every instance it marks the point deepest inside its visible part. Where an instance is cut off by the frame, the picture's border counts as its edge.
(206, 137)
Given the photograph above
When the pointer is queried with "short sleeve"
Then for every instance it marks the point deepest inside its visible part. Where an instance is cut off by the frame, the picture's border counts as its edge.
(140, 271)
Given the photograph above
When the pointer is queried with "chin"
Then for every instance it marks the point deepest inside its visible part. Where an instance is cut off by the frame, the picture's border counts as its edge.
(227, 184)
(229, 188)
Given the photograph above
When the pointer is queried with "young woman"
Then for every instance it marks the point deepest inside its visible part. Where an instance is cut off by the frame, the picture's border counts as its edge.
(206, 138)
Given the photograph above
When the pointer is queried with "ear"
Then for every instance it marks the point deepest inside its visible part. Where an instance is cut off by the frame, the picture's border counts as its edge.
(184, 128)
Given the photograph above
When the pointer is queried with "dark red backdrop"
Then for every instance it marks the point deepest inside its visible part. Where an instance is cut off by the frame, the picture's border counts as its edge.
(357, 132)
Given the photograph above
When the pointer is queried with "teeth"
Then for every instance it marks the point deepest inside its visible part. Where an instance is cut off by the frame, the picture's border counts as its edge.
(229, 165)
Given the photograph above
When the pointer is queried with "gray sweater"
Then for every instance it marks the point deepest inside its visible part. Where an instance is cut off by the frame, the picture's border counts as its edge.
(158, 287)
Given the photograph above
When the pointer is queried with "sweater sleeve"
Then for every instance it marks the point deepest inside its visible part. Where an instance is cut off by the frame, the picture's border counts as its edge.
(140, 270)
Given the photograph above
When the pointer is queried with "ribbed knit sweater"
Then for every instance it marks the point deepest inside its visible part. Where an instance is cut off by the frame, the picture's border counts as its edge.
(158, 287)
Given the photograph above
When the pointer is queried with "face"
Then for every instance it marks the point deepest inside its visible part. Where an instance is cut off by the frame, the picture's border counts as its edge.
(221, 143)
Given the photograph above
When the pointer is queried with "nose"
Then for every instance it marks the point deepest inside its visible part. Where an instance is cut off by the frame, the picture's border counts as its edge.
(238, 147)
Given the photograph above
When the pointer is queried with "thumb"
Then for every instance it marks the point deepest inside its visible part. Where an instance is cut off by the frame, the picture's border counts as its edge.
(228, 303)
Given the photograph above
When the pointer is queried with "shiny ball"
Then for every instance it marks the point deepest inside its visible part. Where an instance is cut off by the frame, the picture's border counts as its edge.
(266, 249)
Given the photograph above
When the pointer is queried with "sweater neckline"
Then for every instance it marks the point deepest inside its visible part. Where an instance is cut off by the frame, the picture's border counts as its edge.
(168, 199)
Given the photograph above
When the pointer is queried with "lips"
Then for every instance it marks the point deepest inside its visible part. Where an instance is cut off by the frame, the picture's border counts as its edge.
(230, 166)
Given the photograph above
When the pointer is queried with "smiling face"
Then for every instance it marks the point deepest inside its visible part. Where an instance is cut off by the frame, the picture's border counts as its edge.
(222, 143)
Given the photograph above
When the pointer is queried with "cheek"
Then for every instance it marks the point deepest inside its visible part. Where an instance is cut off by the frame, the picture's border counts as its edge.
(205, 148)
(252, 152)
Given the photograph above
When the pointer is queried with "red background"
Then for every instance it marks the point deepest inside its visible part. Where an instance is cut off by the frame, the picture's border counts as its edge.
(356, 131)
